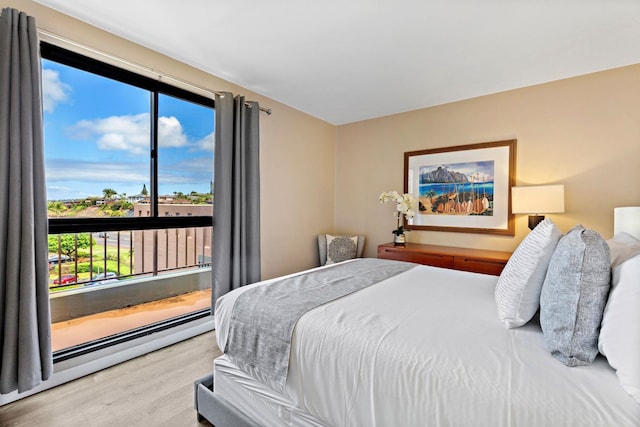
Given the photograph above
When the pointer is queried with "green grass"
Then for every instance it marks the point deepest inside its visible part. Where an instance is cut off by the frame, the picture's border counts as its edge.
(97, 266)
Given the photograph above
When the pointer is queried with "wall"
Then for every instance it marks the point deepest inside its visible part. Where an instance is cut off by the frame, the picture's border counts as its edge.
(582, 132)
(297, 150)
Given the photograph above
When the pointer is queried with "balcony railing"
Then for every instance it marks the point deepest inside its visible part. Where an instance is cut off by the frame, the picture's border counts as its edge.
(156, 255)
(84, 259)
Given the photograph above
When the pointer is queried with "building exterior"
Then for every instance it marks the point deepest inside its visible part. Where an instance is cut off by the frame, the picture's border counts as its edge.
(176, 248)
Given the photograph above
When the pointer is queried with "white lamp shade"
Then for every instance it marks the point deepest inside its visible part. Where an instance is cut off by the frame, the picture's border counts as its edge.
(539, 199)
(627, 220)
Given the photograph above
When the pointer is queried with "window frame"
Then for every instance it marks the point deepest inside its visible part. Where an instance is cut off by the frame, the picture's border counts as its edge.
(155, 87)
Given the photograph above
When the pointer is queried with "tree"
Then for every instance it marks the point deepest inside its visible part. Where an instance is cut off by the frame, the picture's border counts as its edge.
(144, 191)
(56, 207)
(109, 193)
(68, 243)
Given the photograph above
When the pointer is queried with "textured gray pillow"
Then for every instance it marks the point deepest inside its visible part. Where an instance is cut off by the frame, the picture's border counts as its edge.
(341, 248)
(573, 296)
(322, 246)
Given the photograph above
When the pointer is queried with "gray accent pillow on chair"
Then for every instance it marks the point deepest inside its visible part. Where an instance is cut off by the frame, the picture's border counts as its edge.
(574, 295)
(341, 247)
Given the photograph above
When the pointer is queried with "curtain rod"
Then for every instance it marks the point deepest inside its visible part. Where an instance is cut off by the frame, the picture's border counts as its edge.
(48, 36)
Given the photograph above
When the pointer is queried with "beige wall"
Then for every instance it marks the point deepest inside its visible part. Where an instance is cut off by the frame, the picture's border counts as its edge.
(582, 132)
(297, 150)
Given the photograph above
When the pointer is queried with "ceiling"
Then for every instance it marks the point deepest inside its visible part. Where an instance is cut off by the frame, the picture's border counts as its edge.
(350, 60)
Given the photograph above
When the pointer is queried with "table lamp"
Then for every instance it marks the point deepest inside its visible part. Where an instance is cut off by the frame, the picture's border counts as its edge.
(536, 200)
(627, 220)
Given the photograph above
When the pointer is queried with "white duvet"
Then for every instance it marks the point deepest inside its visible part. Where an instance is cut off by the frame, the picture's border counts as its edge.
(426, 348)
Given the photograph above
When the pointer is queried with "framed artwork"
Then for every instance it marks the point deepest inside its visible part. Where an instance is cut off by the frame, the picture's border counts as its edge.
(466, 188)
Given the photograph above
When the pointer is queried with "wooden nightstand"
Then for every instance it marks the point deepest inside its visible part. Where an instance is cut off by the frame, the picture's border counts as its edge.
(476, 260)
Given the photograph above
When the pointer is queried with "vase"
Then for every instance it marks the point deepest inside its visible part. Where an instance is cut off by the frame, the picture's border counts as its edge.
(399, 239)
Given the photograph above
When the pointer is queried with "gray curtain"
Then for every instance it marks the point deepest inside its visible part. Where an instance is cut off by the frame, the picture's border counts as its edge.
(236, 195)
(25, 331)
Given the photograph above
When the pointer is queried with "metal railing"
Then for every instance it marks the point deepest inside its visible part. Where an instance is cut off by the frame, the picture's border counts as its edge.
(109, 257)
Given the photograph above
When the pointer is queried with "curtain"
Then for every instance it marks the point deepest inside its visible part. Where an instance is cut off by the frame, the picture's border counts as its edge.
(236, 195)
(25, 334)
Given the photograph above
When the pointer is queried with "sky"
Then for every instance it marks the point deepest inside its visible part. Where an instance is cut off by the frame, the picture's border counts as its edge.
(97, 136)
(481, 171)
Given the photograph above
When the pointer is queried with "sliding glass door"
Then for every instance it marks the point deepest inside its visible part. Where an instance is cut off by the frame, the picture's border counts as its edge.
(129, 164)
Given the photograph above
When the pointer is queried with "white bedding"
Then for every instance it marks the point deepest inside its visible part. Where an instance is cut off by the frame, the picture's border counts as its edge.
(426, 348)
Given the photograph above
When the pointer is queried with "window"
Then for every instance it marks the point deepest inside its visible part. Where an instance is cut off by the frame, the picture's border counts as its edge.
(119, 149)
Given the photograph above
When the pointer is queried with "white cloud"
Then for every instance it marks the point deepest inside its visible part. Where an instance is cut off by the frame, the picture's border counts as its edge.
(170, 180)
(59, 188)
(207, 143)
(130, 133)
(73, 179)
(54, 91)
(58, 171)
(170, 133)
(195, 165)
(124, 133)
(196, 171)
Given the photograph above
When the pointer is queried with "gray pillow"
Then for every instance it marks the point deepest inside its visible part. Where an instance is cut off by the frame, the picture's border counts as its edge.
(573, 296)
(341, 248)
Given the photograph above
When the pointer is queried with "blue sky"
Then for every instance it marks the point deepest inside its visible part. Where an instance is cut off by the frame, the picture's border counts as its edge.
(481, 171)
(97, 136)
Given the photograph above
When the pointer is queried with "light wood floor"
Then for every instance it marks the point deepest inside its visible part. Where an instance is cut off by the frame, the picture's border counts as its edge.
(152, 390)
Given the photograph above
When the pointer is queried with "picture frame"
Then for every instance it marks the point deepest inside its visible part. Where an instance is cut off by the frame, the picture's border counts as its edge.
(464, 188)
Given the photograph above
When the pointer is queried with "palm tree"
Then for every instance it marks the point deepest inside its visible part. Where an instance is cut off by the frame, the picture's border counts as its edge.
(109, 193)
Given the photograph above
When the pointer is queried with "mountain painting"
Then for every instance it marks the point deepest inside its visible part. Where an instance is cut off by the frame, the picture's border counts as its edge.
(457, 189)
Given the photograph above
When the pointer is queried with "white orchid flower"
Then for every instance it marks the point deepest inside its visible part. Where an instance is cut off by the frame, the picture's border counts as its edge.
(405, 203)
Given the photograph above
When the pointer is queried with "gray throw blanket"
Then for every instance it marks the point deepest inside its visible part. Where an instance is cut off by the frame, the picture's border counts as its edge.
(263, 318)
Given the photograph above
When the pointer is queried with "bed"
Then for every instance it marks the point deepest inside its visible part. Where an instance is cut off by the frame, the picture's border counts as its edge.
(421, 348)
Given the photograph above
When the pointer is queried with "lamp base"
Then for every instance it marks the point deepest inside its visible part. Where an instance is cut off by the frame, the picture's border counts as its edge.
(535, 220)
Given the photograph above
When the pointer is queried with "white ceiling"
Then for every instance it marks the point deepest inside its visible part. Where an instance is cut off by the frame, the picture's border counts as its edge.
(349, 60)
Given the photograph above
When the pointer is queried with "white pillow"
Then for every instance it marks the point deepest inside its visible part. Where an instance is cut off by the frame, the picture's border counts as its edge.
(622, 247)
(518, 289)
(619, 337)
